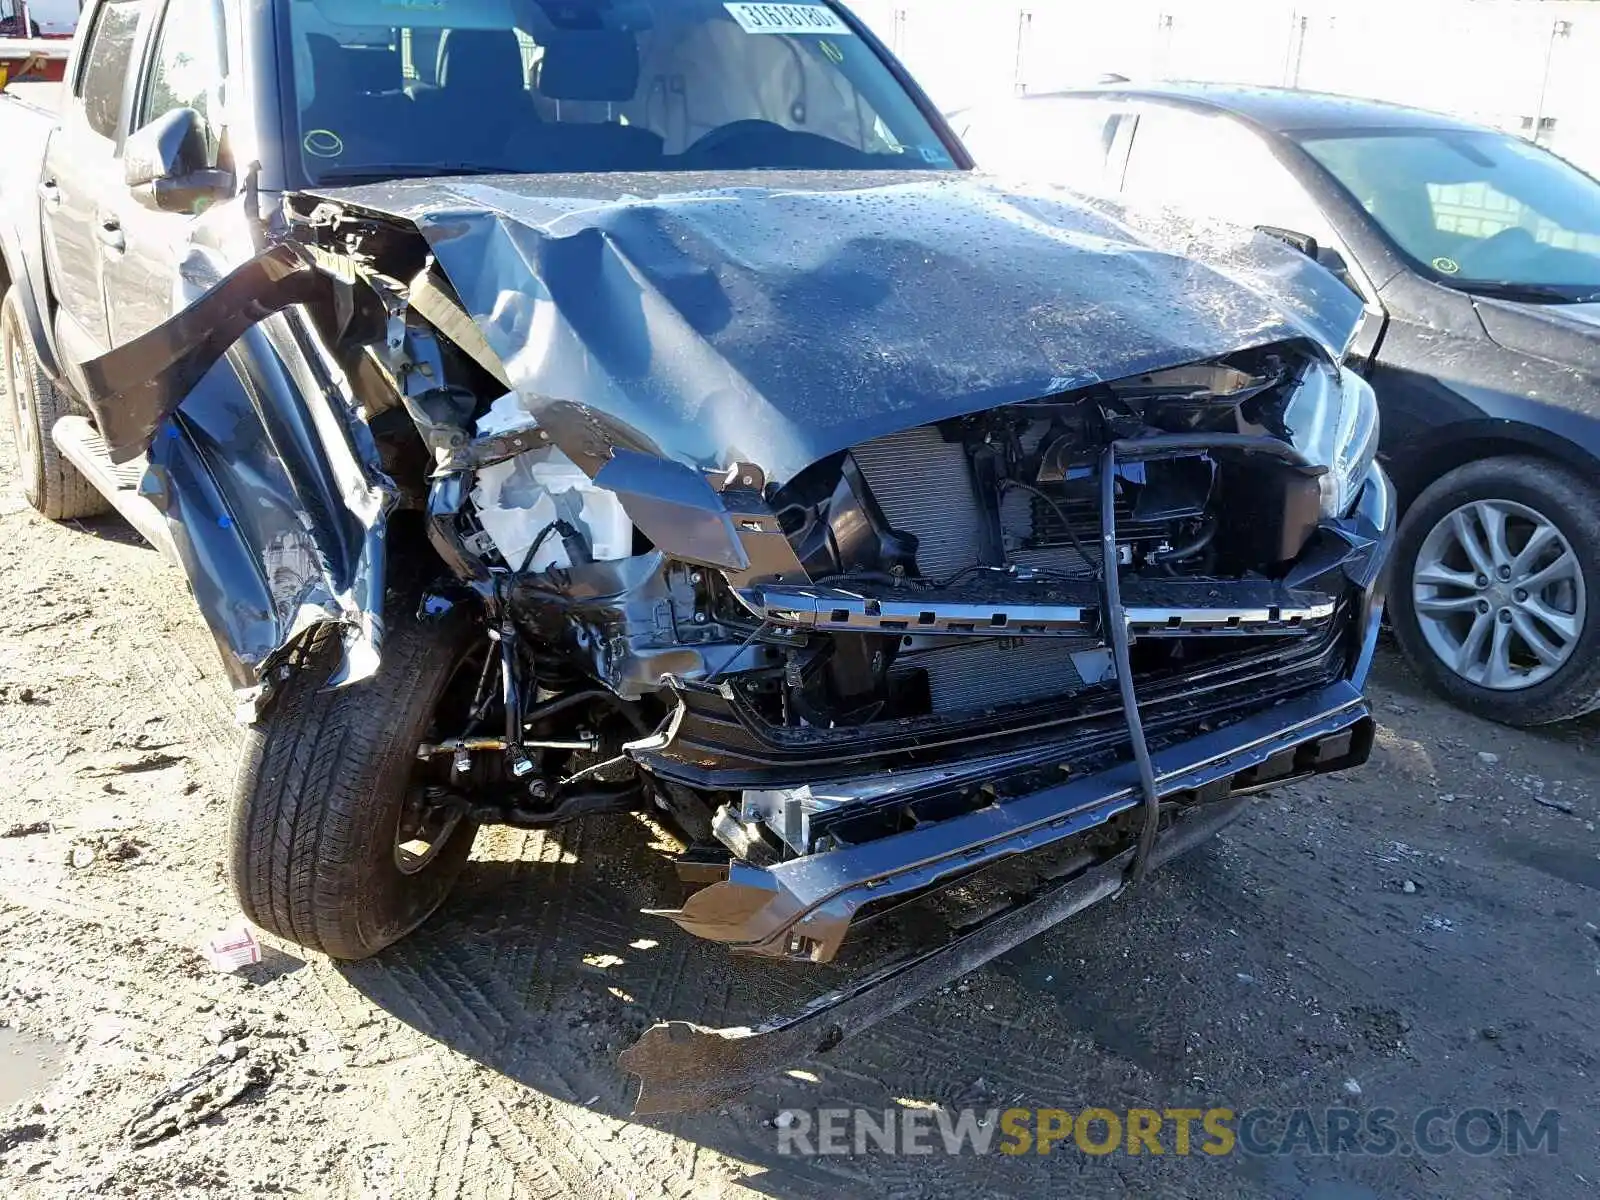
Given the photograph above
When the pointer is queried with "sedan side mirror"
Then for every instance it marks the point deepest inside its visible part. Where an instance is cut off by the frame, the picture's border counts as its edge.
(164, 165)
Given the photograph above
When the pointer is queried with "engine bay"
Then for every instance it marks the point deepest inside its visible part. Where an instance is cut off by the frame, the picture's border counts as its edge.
(947, 570)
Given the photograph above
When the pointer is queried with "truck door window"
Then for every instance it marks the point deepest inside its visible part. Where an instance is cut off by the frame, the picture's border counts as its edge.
(105, 66)
(187, 70)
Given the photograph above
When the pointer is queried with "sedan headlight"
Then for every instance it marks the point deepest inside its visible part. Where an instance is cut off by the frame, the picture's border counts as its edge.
(1332, 419)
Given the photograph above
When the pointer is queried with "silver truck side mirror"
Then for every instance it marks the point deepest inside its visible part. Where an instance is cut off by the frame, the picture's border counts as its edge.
(1295, 240)
(164, 165)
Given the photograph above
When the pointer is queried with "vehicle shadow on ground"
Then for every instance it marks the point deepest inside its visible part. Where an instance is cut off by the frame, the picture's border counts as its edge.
(107, 527)
(1394, 673)
(554, 940)
(542, 968)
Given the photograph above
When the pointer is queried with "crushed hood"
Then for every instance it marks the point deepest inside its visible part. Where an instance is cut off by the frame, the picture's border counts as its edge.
(774, 318)
(777, 318)
(673, 320)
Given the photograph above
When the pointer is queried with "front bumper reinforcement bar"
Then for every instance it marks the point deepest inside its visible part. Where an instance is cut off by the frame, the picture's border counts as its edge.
(685, 1067)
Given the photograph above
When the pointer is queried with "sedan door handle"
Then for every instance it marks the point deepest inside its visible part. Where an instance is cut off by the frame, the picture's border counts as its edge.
(110, 235)
(50, 194)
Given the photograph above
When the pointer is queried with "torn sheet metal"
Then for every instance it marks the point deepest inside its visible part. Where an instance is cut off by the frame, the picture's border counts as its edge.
(136, 386)
(271, 488)
(776, 318)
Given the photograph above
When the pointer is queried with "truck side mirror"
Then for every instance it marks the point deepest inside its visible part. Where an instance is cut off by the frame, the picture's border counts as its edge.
(1333, 262)
(1325, 257)
(164, 164)
(1302, 242)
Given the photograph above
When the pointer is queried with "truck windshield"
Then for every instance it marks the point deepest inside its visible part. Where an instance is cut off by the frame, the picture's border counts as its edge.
(1478, 211)
(397, 88)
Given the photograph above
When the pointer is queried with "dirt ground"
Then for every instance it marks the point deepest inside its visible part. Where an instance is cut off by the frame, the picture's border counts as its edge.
(1421, 932)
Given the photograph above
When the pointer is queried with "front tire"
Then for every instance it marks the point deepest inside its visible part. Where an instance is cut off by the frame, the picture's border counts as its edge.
(50, 483)
(1496, 590)
(324, 799)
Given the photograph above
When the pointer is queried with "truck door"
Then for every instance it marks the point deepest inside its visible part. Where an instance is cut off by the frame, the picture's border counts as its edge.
(185, 69)
(80, 165)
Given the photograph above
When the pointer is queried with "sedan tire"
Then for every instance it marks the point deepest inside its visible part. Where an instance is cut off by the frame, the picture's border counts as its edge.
(1496, 590)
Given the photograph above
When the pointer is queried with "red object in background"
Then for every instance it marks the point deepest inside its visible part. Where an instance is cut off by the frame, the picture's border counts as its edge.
(37, 59)
(24, 67)
(25, 54)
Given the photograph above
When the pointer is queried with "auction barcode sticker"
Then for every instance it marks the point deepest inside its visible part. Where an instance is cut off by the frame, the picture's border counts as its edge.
(787, 18)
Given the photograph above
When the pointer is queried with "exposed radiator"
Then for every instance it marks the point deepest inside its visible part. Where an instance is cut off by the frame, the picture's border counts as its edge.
(1020, 520)
(924, 486)
(977, 674)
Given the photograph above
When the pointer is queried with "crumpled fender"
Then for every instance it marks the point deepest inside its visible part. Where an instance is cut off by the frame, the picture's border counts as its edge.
(271, 487)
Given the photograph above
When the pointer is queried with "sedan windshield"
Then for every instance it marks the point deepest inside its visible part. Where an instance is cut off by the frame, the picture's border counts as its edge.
(1477, 210)
(395, 88)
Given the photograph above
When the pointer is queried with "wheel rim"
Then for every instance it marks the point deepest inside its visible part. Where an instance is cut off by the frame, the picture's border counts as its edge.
(1499, 594)
(17, 381)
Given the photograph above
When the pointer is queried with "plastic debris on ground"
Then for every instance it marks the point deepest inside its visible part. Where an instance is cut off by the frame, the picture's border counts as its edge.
(232, 948)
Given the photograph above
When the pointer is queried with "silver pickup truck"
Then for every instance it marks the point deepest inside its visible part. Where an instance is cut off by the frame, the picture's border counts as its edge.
(575, 406)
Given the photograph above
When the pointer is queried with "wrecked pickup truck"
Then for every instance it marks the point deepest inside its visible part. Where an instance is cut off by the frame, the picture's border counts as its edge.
(563, 407)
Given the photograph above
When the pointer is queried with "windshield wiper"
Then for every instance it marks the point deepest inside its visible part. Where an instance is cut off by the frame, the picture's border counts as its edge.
(1533, 293)
(381, 171)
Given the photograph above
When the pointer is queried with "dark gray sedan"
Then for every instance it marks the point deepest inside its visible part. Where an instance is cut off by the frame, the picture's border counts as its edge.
(1478, 257)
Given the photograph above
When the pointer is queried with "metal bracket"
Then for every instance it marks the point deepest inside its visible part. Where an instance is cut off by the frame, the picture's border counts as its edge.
(1116, 623)
(683, 1067)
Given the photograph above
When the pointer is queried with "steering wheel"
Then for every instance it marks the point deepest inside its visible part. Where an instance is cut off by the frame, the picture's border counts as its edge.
(1503, 254)
(733, 133)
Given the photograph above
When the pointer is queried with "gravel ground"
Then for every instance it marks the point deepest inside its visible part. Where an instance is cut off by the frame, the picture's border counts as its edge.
(1421, 932)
